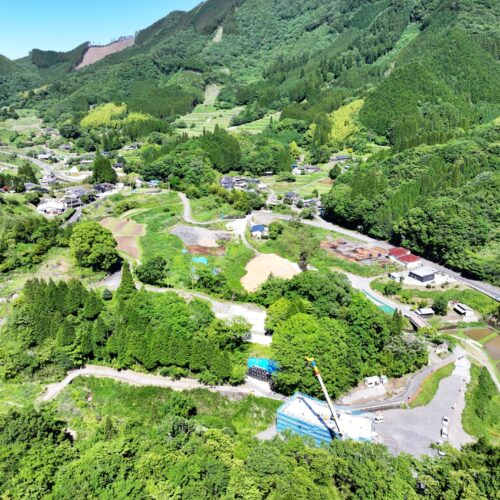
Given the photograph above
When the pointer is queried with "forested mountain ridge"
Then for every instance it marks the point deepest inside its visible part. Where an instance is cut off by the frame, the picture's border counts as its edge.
(397, 74)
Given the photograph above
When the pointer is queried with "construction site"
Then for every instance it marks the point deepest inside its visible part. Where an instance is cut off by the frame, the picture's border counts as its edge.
(361, 253)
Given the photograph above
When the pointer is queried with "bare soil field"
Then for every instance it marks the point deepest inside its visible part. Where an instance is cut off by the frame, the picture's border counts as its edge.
(493, 348)
(127, 233)
(265, 265)
(199, 236)
(97, 53)
(479, 334)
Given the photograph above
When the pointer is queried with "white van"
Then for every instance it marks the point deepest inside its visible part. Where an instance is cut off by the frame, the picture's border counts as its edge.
(444, 432)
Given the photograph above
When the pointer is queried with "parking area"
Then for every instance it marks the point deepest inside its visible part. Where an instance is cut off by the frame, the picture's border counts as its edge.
(413, 431)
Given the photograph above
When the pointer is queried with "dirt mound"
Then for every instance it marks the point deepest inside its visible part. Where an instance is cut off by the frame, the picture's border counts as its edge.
(98, 52)
(261, 267)
(199, 236)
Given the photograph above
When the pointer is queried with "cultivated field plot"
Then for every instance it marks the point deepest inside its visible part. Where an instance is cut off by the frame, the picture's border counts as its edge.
(479, 333)
(199, 236)
(207, 117)
(257, 126)
(493, 348)
(127, 233)
(265, 265)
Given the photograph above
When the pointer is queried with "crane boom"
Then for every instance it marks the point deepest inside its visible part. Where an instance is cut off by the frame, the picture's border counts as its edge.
(325, 392)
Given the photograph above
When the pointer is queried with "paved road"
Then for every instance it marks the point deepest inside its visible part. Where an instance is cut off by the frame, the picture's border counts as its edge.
(251, 387)
(188, 213)
(413, 431)
(412, 387)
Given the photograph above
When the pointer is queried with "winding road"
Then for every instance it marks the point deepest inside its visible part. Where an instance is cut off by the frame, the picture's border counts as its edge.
(251, 387)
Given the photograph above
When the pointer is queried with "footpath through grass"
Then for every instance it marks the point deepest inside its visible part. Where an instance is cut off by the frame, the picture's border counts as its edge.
(431, 385)
(481, 416)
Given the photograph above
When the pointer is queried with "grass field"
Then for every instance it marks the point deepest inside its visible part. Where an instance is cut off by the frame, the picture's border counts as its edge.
(257, 126)
(27, 122)
(17, 395)
(290, 245)
(481, 416)
(207, 117)
(57, 265)
(123, 403)
(430, 386)
(477, 300)
(208, 209)
(304, 184)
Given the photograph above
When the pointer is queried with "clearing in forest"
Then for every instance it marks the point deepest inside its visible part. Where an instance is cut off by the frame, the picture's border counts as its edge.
(127, 233)
(261, 267)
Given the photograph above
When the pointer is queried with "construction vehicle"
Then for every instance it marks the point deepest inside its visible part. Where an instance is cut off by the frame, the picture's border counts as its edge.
(335, 415)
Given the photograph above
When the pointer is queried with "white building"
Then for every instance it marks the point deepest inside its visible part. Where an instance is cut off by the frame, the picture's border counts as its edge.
(51, 208)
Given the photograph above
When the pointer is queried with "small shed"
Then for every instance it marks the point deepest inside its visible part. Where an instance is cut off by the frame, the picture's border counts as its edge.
(463, 310)
(425, 312)
(423, 274)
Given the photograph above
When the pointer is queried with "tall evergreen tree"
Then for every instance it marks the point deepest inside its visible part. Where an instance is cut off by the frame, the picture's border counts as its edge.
(127, 284)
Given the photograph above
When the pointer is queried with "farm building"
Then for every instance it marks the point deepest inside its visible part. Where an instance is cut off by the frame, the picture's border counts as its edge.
(423, 274)
(410, 261)
(463, 309)
(425, 312)
(397, 253)
(307, 416)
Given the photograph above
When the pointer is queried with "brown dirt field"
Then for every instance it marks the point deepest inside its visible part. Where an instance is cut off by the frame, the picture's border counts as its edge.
(126, 232)
(97, 53)
(128, 245)
(479, 334)
(198, 250)
(493, 348)
(262, 266)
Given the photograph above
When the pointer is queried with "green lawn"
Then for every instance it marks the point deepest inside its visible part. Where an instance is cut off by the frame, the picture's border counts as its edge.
(477, 300)
(430, 386)
(481, 416)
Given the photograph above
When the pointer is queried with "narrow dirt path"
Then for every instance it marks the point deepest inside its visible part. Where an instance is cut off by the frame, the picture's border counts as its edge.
(250, 387)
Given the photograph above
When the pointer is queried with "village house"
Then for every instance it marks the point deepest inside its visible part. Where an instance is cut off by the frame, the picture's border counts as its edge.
(51, 208)
(48, 180)
(442, 348)
(463, 309)
(410, 261)
(259, 231)
(292, 198)
(227, 182)
(103, 187)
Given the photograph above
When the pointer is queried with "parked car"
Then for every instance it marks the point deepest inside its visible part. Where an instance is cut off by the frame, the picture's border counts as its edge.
(444, 432)
(445, 420)
(378, 419)
(440, 451)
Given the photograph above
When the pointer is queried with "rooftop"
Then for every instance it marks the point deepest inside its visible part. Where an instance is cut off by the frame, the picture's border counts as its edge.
(398, 252)
(423, 271)
(407, 259)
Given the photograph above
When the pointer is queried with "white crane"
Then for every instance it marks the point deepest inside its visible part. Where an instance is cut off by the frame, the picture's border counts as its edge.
(325, 392)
